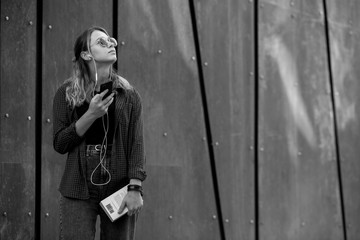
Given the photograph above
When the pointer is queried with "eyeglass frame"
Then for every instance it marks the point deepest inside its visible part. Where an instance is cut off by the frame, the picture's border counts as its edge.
(107, 41)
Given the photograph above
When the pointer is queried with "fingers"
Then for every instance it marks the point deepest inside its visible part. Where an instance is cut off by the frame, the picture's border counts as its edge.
(131, 209)
(108, 100)
(134, 211)
(102, 94)
(122, 207)
(103, 105)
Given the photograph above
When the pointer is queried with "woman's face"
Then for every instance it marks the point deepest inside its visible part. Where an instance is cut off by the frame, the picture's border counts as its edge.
(103, 47)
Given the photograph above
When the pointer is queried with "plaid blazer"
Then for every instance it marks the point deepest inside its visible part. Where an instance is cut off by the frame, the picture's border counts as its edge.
(127, 157)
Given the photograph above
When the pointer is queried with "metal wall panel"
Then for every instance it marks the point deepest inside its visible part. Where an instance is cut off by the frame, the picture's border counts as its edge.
(17, 125)
(58, 41)
(298, 180)
(156, 57)
(226, 34)
(344, 22)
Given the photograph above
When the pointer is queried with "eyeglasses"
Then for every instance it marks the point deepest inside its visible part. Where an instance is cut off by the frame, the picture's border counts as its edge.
(103, 42)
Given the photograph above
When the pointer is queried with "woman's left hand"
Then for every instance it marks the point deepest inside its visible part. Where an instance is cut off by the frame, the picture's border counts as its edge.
(133, 201)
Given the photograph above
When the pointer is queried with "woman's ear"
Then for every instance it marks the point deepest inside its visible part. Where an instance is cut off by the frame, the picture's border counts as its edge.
(86, 56)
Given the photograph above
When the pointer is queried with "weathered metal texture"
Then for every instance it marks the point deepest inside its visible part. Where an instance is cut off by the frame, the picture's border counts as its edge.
(226, 35)
(298, 181)
(17, 119)
(156, 56)
(344, 22)
(63, 22)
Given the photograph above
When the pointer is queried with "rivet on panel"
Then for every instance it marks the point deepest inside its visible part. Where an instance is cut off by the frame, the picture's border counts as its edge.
(122, 43)
(206, 64)
(165, 134)
(31, 23)
(250, 1)
(29, 118)
(214, 217)
(303, 224)
(47, 214)
(5, 214)
(292, 3)
(204, 138)
(29, 214)
(49, 27)
(193, 58)
(159, 51)
(261, 149)
(48, 120)
(227, 220)
(7, 115)
(216, 143)
(351, 33)
(299, 153)
(251, 221)
(251, 73)
(7, 18)
(251, 148)
(170, 217)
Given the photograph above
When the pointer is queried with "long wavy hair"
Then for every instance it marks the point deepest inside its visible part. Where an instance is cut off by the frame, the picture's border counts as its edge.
(81, 85)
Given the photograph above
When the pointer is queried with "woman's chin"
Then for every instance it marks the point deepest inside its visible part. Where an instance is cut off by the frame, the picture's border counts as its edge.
(110, 60)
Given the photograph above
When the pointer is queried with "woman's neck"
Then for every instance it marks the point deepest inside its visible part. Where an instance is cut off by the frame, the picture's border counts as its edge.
(103, 74)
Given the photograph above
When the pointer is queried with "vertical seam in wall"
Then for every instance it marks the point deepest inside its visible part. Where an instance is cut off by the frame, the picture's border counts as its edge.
(0, 62)
(333, 104)
(206, 118)
(256, 118)
(38, 117)
(115, 26)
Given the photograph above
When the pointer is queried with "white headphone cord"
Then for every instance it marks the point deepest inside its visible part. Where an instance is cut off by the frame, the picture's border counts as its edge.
(104, 142)
(103, 151)
(96, 78)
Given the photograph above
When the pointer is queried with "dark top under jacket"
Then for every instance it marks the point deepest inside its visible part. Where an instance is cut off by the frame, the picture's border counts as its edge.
(95, 134)
(127, 157)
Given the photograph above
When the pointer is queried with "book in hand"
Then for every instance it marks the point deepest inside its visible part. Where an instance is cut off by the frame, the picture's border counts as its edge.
(112, 203)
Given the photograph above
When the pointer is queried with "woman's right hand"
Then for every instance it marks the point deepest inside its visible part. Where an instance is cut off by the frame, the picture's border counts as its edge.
(99, 106)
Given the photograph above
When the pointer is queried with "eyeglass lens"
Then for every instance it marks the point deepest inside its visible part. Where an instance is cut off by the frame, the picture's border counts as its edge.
(106, 42)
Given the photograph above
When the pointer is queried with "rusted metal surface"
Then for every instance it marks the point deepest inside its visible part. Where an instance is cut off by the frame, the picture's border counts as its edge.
(17, 120)
(299, 195)
(298, 180)
(344, 33)
(17, 211)
(63, 21)
(226, 34)
(157, 58)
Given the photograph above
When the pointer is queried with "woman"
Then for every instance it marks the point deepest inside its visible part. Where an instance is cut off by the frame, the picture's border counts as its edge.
(103, 139)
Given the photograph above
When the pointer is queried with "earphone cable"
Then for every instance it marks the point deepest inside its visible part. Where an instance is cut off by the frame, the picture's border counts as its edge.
(102, 154)
(104, 142)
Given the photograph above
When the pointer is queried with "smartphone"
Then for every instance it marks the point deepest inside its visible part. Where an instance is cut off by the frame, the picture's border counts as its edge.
(107, 86)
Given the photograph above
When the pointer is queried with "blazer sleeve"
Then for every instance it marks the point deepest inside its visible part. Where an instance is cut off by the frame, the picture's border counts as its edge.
(136, 140)
(64, 132)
